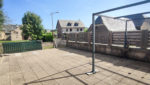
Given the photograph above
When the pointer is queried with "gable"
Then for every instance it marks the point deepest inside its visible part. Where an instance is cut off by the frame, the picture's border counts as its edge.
(70, 23)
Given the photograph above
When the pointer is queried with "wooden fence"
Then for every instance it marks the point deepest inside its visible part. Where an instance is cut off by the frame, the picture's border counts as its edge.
(134, 38)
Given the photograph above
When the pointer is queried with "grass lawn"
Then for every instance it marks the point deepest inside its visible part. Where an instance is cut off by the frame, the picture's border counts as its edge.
(14, 41)
(48, 47)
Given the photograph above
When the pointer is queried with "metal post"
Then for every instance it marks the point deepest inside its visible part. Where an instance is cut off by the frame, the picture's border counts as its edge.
(52, 22)
(125, 35)
(53, 26)
(93, 46)
(93, 43)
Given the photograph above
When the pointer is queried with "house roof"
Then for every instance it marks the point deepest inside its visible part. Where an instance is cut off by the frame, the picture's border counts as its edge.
(64, 23)
(9, 28)
(114, 24)
(138, 19)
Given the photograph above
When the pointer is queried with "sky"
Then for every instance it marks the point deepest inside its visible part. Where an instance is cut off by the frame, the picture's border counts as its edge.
(68, 9)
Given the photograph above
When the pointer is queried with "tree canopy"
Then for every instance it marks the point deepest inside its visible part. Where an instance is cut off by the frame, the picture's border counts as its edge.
(85, 29)
(1, 3)
(1, 14)
(32, 26)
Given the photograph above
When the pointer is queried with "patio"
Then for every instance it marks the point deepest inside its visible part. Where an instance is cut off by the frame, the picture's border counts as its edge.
(65, 66)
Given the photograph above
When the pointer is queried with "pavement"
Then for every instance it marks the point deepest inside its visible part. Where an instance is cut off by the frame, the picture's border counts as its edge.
(66, 66)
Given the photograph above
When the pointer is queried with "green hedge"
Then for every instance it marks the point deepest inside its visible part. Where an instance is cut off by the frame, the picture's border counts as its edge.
(13, 47)
(47, 37)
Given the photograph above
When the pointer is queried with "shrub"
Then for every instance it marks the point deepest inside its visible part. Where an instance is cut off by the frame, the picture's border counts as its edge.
(47, 37)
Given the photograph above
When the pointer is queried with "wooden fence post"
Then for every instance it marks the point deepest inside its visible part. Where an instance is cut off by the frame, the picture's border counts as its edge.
(89, 37)
(76, 37)
(67, 35)
(110, 38)
(144, 39)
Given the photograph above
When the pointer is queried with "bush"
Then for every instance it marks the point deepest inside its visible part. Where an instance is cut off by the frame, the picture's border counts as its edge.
(47, 37)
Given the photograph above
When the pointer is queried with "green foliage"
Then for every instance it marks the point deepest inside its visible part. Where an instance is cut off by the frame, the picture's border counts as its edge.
(1, 15)
(1, 3)
(85, 29)
(47, 37)
(1, 41)
(32, 26)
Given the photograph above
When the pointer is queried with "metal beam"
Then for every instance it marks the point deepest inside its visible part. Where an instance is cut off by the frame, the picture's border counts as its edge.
(125, 6)
(133, 14)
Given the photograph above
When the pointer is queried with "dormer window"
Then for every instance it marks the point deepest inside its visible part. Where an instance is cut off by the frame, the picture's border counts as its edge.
(69, 24)
(76, 24)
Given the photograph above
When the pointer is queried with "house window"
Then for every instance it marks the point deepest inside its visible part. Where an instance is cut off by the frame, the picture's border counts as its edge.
(66, 30)
(80, 29)
(70, 30)
(77, 29)
(69, 24)
(76, 24)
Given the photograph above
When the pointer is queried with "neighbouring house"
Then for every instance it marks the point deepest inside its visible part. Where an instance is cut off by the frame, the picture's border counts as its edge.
(12, 32)
(104, 25)
(136, 22)
(2, 35)
(140, 21)
(69, 26)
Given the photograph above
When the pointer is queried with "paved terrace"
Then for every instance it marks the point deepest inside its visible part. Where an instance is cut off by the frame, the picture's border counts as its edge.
(67, 66)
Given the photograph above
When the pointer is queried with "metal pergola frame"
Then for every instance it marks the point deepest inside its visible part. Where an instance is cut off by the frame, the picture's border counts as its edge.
(93, 31)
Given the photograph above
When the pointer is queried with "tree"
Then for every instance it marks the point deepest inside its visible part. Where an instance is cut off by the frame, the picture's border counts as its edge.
(1, 15)
(7, 19)
(85, 29)
(32, 26)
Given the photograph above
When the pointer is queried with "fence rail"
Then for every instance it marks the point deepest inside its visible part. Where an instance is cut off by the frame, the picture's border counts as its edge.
(134, 38)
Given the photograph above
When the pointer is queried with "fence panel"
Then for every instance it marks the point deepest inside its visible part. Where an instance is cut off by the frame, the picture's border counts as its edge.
(133, 38)
(71, 37)
(101, 38)
(21, 46)
(149, 39)
(83, 37)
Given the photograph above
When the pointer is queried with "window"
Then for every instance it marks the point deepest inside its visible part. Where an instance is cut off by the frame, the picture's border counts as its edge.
(69, 24)
(77, 29)
(66, 30)
(80, 29)
(76, 24)
(70, 30)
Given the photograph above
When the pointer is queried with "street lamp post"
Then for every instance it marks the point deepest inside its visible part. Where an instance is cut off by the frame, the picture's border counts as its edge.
(52, 20)
(52, 24)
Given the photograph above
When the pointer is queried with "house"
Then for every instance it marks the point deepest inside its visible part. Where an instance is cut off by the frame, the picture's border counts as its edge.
(104, 25)
(140, 21)
(69, 26)
(135, 22)
(12, 32)
(2, 35)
